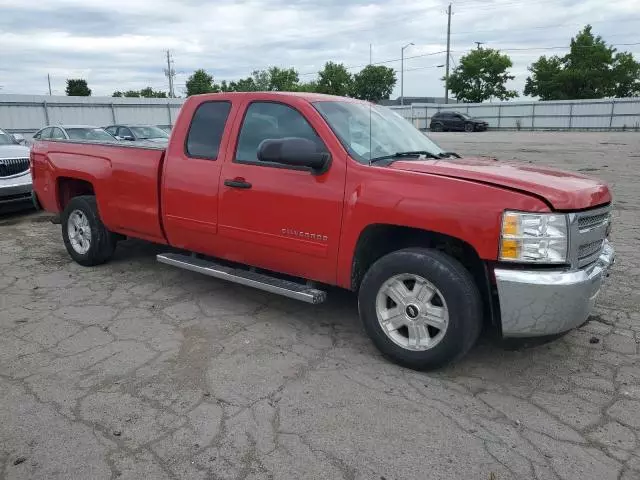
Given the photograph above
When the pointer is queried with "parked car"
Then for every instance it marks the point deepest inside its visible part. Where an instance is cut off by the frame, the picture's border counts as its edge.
(149, 133)
(456, 121)
(432, 243)
(166, 128)
(15, 178)
(73, 132)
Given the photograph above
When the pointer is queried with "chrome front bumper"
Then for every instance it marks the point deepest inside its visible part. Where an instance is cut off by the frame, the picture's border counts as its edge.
(546, 302)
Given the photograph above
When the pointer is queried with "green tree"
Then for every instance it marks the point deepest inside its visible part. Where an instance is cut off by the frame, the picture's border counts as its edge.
(283, 79)
(482, 74)
(151, 93)
(132, 94)
(334, 79)
(591, 69)
(627, 76)
(117, 93)
(77, 87)
(309, 87)
(200, 82)
(374, 83)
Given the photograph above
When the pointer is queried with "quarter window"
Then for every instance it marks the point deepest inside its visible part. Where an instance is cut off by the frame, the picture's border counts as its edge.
(207, 127)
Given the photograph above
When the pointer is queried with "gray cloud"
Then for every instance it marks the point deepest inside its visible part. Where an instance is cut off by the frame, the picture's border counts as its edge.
(120, 44)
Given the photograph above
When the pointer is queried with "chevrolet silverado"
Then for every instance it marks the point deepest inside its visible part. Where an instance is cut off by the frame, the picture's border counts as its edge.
(292, 192)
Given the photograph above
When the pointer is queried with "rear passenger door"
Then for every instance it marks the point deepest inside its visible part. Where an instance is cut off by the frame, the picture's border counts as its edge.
(191, 177)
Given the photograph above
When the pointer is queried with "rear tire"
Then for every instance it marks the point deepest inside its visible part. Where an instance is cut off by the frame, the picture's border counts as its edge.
(437, 127)
(420, 307)
(86, 238)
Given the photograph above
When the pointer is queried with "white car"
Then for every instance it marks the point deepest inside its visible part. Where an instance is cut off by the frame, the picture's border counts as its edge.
(15, 177)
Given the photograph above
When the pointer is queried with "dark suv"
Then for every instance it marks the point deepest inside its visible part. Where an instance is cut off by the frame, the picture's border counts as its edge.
(456, 121)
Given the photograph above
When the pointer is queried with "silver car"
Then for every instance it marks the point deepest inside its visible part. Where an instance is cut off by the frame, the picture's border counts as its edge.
(73, 132)
(145, 133)
(15, 177)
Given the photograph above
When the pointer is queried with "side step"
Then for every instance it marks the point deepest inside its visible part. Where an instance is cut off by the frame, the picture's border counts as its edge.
(286, 288)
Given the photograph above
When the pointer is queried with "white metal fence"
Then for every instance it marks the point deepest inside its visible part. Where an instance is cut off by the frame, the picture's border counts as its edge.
(608, 114)
(28, 113)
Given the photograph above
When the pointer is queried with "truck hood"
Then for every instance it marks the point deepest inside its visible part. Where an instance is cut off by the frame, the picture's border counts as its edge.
(563, 190)
(13, 151)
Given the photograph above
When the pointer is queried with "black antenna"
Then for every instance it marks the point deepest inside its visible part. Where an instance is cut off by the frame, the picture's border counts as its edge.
(370, 63)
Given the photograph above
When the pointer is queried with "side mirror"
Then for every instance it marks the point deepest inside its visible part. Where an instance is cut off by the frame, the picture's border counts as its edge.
(294, 151)
(19, 138)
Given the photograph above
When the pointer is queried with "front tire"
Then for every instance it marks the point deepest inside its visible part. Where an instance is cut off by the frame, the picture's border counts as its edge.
(469, 127)
(86, 238)
(420, 307)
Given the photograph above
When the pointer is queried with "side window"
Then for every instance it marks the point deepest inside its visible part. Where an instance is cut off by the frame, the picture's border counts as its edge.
(205, 131)
(267, 120)
(57, 134)
(46, 133)
(111, 130)
(38, 135)
(124, 132)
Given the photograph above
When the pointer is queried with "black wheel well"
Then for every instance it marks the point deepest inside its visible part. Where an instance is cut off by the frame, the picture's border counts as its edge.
(379, 240)
(69, 188)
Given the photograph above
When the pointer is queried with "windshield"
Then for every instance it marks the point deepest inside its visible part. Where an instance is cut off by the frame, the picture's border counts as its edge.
(149, 132)
(371, 131)
(6, 139)
(89, 134)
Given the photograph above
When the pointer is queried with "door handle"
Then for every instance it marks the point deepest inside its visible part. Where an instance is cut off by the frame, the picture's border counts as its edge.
(237, 183)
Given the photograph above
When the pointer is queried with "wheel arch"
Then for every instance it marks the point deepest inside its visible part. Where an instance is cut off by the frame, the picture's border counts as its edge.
(378, 240)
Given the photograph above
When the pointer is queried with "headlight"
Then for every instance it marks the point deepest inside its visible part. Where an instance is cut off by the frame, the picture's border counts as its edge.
(534, 237)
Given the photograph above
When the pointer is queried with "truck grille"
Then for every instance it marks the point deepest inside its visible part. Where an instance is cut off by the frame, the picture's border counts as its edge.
(588, 234)
(592, 220)
(13, 166)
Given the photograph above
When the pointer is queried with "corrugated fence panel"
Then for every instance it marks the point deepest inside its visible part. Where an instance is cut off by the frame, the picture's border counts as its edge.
(552, 108)
(79, 115)
(592, 109)
(553, 115)
(21, 118)
(629, 107)
(28, 113)
(628, 122)
(156, 114)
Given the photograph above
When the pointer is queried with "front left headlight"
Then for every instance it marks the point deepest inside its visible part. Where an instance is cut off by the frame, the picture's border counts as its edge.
(534, 237)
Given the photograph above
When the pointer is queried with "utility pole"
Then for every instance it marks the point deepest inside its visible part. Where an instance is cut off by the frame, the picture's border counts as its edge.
(402, 72)
(49, 81)
(446, 73)
(478, 44)
(170, 73)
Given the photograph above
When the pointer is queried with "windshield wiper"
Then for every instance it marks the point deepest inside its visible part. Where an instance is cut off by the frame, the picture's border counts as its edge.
(397, 155)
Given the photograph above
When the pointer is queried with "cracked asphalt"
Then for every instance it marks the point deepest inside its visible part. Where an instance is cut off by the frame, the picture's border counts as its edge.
(136, 370)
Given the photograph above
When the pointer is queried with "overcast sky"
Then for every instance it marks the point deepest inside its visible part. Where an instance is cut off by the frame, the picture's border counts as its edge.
(121, 44)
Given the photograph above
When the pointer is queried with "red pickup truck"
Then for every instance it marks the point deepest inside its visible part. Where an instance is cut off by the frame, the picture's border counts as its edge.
(289, 192)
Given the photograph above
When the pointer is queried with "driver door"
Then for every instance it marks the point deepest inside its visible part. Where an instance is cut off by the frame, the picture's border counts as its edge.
(280, 217)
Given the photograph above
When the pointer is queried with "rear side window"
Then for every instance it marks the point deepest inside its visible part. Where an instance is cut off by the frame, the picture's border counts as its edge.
(205, 131)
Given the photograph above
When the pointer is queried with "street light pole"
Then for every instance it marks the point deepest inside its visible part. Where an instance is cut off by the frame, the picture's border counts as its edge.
(402, 72)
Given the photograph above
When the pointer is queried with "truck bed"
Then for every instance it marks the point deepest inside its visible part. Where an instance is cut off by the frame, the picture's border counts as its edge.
(124, 178)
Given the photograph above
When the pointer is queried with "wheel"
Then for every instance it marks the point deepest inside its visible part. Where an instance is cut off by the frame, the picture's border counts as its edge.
(437, 127)
(468, 127)
(420, 307)
(86, 238)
